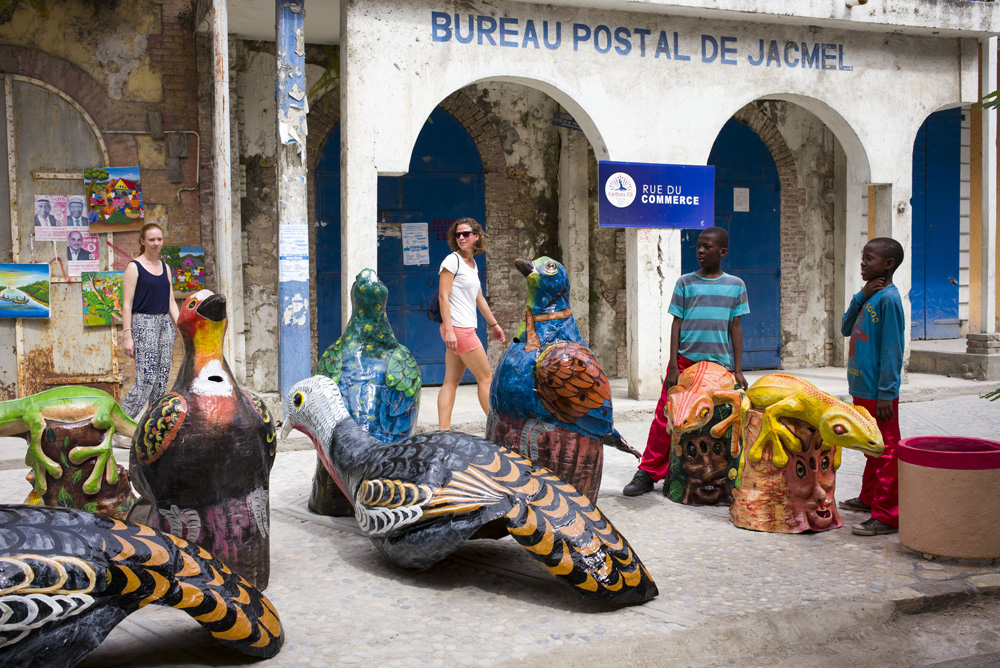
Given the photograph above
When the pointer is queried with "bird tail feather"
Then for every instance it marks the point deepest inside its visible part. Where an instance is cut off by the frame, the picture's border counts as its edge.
(617, 441)
(573, 539)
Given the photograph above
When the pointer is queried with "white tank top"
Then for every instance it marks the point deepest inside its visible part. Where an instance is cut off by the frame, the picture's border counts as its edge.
(464, 291)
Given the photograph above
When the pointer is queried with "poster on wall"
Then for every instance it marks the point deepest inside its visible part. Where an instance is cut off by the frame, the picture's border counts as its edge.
(81, 252)
(187, 263)
(76, 213)
(102, 297)
(24, 291)
(415, 248)
(114, 199)
(50, 218)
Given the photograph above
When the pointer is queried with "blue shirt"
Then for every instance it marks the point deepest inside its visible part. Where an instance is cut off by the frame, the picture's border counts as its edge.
(707, 307)
(875, 357)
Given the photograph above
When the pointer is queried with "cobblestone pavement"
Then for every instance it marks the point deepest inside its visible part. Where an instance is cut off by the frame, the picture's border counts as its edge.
(342, 603)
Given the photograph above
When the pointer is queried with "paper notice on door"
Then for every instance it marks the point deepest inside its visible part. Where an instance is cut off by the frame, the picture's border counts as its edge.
(741, 200)
(415, 248)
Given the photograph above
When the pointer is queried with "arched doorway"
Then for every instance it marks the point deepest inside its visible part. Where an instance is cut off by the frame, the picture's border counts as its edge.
(445, 181)
(936, 198)
(747, 205)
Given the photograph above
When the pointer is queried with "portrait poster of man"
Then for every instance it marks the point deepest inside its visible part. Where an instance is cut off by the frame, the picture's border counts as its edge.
(114, 199)
(50, 218)
(76, 213)
(81, 252)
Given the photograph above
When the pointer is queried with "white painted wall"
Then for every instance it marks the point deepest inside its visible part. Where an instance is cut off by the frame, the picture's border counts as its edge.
(637, 108)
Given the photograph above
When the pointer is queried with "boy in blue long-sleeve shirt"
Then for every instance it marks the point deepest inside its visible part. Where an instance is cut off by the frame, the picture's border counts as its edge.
(874, 321)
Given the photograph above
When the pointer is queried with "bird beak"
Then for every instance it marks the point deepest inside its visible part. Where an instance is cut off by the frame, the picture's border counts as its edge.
(286, 428)
(213, 308)
(526, 268)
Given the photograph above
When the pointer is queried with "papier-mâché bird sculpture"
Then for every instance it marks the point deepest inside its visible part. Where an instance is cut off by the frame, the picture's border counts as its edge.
(550, 399)
(68, 577)
(419, 498)
(378, 378)
(203, 452)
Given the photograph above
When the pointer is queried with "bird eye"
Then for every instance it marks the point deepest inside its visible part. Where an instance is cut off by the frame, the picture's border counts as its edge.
(839, 429)
(192, 304)
(298, 399)
(550, 267)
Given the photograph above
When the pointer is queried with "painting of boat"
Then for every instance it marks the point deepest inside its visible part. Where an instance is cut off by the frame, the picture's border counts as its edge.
(24, 291)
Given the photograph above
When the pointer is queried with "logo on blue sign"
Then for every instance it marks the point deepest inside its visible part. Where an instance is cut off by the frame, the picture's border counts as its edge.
(638, 194)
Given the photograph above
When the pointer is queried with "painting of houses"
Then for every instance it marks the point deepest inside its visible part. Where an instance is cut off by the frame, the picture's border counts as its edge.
(188, 266)
(114, 199)
(24, 291)
(102, 297)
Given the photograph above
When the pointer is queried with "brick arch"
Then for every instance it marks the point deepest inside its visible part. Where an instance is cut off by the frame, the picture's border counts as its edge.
(108, 113)
(792, 236)
(324, 114)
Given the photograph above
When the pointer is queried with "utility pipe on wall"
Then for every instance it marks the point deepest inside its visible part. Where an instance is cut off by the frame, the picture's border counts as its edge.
(225, 240)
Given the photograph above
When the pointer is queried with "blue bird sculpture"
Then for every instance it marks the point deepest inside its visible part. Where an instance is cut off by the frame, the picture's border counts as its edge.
(550, 400)
(378, 378)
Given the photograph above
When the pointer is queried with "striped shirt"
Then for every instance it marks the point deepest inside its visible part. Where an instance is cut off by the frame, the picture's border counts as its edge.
(707, 307)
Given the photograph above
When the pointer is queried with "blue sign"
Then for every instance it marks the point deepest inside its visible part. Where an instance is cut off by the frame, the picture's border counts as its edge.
(641, 194)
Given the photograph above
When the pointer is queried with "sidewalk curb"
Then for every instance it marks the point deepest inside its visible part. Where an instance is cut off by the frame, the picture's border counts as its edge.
(942, 594)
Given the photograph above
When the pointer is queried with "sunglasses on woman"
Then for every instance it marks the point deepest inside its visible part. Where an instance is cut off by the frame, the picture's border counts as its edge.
(464, 235)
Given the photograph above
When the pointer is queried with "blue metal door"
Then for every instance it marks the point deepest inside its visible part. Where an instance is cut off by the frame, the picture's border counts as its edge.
(935, 205)
(743, 161)
(445, 182)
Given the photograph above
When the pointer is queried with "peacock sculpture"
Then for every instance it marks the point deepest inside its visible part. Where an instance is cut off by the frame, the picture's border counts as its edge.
(550, 399)
(418, 499)
(378, 378)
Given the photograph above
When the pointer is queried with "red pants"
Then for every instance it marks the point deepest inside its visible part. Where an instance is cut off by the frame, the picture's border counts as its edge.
(656, 457)
(880, 483)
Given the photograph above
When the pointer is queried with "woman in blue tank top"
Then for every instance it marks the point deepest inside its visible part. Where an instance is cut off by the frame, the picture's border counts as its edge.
(149, 314)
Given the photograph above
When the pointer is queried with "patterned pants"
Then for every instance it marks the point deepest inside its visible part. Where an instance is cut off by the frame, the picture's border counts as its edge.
(153, 334)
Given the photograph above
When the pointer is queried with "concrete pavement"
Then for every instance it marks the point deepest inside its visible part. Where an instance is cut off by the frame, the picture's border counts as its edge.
(724, 592)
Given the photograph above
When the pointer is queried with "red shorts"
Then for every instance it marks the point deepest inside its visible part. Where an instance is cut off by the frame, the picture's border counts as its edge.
(467, 339)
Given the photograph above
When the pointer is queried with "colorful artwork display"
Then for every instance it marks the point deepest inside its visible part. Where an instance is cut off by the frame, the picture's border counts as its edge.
(102, 297)
(202, 457)
(378, 377)
(24, 290)
(70, 577)
(114, 196)
(420, 498)
(550, 399)
(188, 266)
(50, 217)
(82, 251)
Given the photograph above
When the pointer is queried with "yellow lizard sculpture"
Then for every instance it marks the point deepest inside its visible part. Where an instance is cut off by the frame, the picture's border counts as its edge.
(841, 425)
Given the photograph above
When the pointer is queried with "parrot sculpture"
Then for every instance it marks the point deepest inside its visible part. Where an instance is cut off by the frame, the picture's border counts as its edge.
(378, 378)
(68, 577)
(550, 399)
(202, 454)
(418, 499)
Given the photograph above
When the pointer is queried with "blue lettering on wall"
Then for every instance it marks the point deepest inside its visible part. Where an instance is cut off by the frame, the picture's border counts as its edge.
(523, 33)
(581, 33)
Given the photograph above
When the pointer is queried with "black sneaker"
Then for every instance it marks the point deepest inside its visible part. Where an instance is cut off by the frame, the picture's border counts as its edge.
(856, 505)
(641, 483)
(873, 527)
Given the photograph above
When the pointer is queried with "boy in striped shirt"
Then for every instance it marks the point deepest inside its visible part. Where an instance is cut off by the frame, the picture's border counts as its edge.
(707, 306)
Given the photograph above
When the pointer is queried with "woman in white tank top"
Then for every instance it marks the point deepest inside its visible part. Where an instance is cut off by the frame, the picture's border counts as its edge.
(459, 294)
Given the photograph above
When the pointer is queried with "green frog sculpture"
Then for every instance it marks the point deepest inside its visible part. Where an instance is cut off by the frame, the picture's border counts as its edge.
(69, 431)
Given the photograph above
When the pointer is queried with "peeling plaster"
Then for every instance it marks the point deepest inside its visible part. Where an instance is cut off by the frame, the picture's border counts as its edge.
(120, 54)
